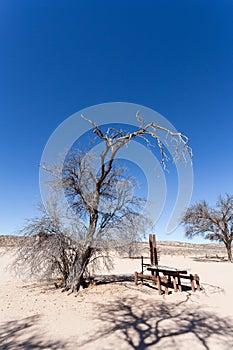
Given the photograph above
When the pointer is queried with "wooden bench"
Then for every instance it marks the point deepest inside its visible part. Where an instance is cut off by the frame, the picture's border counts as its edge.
(159, 281)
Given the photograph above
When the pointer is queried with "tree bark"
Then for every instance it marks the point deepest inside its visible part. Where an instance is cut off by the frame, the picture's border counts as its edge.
(229, 252)
(76, 276)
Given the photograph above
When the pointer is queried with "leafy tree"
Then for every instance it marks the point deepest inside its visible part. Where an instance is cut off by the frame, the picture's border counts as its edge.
(215, 224)
(104, 213)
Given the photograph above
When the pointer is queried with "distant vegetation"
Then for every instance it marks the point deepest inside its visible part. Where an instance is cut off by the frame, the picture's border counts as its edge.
(213, 223)
(211, 250)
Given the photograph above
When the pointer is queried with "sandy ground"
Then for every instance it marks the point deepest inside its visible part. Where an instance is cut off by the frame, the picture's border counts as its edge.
(119, 315)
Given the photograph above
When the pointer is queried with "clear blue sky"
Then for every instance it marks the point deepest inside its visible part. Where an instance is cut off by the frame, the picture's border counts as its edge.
(58, 57)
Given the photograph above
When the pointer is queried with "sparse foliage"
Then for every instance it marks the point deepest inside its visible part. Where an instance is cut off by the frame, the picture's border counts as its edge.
(215, 224)
(105, 212)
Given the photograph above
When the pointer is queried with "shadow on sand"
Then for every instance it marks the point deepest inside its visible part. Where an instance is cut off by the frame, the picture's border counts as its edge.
(21, 334)
(209, 259)
(105, 279)
(141, 324)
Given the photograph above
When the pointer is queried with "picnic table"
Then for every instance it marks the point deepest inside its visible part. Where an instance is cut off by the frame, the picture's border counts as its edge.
(169, 272)
(170, 275)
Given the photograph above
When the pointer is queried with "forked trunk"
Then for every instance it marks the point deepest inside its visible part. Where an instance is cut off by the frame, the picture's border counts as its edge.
(76, 277)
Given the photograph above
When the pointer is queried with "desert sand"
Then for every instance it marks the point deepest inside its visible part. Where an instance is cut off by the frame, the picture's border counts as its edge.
(118, 314)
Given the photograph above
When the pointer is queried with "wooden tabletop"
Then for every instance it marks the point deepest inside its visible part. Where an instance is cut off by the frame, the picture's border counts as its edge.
(167, 270)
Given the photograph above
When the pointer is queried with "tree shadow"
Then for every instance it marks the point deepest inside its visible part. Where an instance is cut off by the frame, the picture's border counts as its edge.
(142, 324)
(209, 289)
(45, 285)
(21, 334)
(105, 279)
(209, 259)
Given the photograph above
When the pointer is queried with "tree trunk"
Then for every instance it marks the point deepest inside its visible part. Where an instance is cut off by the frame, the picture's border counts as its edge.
(82, 258)
(229, 252)
(76, 276)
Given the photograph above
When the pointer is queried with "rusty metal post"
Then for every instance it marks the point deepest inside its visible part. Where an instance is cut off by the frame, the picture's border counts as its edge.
(153, 250)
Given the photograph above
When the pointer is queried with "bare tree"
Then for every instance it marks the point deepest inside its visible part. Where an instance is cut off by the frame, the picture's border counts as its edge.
(44, 251)
(105, 212)
(47, 250)
(215, 224)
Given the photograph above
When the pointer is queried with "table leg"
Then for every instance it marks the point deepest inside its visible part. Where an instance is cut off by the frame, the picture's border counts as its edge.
(192, 283)
(197, 279)
(153, 274)
(164, 281)
(179, 284)
(159, 285)
(174, 284)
